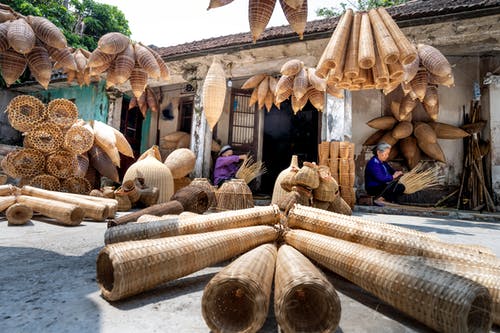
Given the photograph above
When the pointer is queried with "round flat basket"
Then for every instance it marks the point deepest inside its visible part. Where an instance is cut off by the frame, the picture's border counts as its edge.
(62, 164)
(26, 111)
(45, 137)
(62, 112)
(24, 162)
(46, 182)
(78, 139)
(78, 185)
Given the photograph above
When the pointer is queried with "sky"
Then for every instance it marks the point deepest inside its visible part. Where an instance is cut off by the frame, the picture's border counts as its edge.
(173, 22)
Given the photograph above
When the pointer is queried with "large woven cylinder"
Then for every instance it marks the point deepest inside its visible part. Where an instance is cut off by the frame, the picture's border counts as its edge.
(61, 164)
(79, 138)
(386, 46)
(24, 162)
(46, 182)
(180, 162)
(383, 237)
(196, 224)
(205, 184)
(155, 174)
(234, 194)
(19, 214)
(6, 202)
(129, 268)
(442, 301)
(237, 298)
(214, 93)
(62, 112)
(63, 212)
(192, 198)
(304, 299)
(26, 112)
(278, 191)
(46, 137)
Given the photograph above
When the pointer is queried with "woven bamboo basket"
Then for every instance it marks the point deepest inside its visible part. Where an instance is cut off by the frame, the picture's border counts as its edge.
(380, 71)
(383, 123)
(79, 138)
(254, 97)
(297, 17)
(180, 183)
(447, 81)
(25, 112)
(334, 149)
(315, 81)
(91, 209)
(386, 45)
(304, 299)
(298, 104)
(433, 60)
(253, 81)
(317, 98)
(488, 277)
(362, 76)
(433, 150)
(442, 301)
(61, 164)
(47, 31)
(351, 66)
(138, 79)
(24, 162)
(410, 151)
(21, 36)
(62, 212)
(259, 14)
(419, 84)
(19, 214)
(323, 153)
(176, 226)
(431, 95)
(298, 195)
(424, 133)
(78, 185)
(204, 184)
(237, 298)
(6, 202)
(328, 188)
(396, 73)
(345, 149)
(386, 238)
(102, 163)
(333, 164)
(46, 182)
(180, 162)
(40, 65)
(234, 194)
(333, 91)
(446, 131)
(262, 91)
(407, 105)
(99, 59)
(335, 50)
(214, 93)
(307, 175)
(402, 130)
(432, 111)
(157, 261)
(63, 58)
(407, 51)
(320, 204)
(280, 187)
(147, 61)
(155, 174)
(348, 193)
(366, 52)
(300, 84)
(123, 65)
(110, 203)
(62, 112)
(131, 191)
(284, 87)
(105, 138)
(192, 198)
(113, 43)
(124, 203)
(45, 137)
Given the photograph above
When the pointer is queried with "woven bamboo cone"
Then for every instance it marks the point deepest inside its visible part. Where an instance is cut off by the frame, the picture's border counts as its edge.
(259, 14)
(383, 238)
(366, 48)
(336, 47)
(94, 210)
(6, 202)
(237, 298)
(443, 301)
(488, 277)
(19, 214)
(267, 215)
(304, 299)
(62, 212)
(386, 46)
(7, 189)
(129, 268)
(169, 207)
(112, 204)
(278, 191)
(407, 51)
(214, 93)
(351, 67)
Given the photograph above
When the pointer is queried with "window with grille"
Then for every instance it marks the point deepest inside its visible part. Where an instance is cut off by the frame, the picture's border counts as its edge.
(244, 122)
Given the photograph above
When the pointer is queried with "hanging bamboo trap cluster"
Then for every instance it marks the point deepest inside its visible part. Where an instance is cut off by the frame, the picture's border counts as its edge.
(260, 11)
(396, 264)
(366, 51)
(148, 100)
(264, 88)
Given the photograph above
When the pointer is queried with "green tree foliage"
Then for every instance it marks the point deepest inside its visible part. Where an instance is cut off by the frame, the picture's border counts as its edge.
(358, 5)
(83, 22)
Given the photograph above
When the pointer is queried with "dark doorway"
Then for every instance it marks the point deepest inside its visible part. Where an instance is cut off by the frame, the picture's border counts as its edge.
(286, 134)
(131, 127)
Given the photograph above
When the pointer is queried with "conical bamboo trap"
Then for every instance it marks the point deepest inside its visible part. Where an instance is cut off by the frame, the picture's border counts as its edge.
(214, 93)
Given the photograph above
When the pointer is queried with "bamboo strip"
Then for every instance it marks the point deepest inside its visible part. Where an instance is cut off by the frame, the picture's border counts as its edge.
(129, 268)
(388, 50)
(63, 212)
(92, 209)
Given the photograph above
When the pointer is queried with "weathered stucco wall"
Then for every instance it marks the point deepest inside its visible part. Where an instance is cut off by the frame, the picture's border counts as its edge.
(8, 135)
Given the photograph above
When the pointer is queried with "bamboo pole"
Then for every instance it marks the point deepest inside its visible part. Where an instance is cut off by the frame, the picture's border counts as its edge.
(94, 210)
(385, 44)
(112, 204)
(63, 212)
(19, 214)
(7, 190)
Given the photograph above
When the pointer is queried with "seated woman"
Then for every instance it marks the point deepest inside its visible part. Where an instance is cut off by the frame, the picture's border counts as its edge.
(381, 180)
(226, 165)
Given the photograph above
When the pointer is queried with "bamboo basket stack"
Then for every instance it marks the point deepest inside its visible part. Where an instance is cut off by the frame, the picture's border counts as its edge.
(339, 157)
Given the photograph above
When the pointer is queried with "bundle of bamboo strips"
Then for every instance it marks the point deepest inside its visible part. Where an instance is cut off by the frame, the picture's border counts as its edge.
(250, 170)
(420, 178)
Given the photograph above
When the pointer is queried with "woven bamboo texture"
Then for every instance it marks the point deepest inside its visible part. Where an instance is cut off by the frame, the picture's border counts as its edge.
(259, 14)
(129, 268)
(386, 45)
(103, 163)
(61, 212)
(234, 194)
(278, 190)
(205, 184)
(351, 66)
(384, 238)
(193, 225)
(46, 182)
(442, 301)
(192, 198)
(237, 298)
(214, 93)
(297, 17)
(62, 112)
(434, 61)
(40, 65)
(304, 299)
(78, 185)
(47, 31)
(24, 162)
(46, 137)
(6, 202)
(307, 176)
(180, 162)
(446, 131)
(19, 214)
(61, 164)
(298, 195)
(110, 203)
(25, 112)
(13, 65)
(79, 138)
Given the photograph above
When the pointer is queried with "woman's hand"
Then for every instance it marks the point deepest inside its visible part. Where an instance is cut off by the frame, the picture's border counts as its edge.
(397, 174)
(242, 157)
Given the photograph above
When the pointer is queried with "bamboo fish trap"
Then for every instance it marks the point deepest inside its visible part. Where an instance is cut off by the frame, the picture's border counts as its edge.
(442, 301)
(304, 299)
(214, 93)
(237, 298)
(19, 214)
(129, 268)
(62, 212)
(234, 194)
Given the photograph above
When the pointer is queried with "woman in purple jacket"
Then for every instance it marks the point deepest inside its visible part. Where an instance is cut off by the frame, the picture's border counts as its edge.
(381, 180)
(226, 165)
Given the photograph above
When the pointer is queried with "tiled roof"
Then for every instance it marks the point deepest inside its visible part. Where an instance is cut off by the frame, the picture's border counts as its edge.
(410, 11)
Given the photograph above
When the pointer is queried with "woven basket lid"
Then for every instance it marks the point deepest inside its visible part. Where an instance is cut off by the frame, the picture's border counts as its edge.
(62, 112)
(25, 112)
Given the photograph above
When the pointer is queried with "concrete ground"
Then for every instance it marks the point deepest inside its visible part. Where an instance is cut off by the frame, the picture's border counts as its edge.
(48, 284)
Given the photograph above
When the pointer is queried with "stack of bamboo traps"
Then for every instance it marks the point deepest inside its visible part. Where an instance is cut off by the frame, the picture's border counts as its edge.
(339, 157)
(61, 152)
